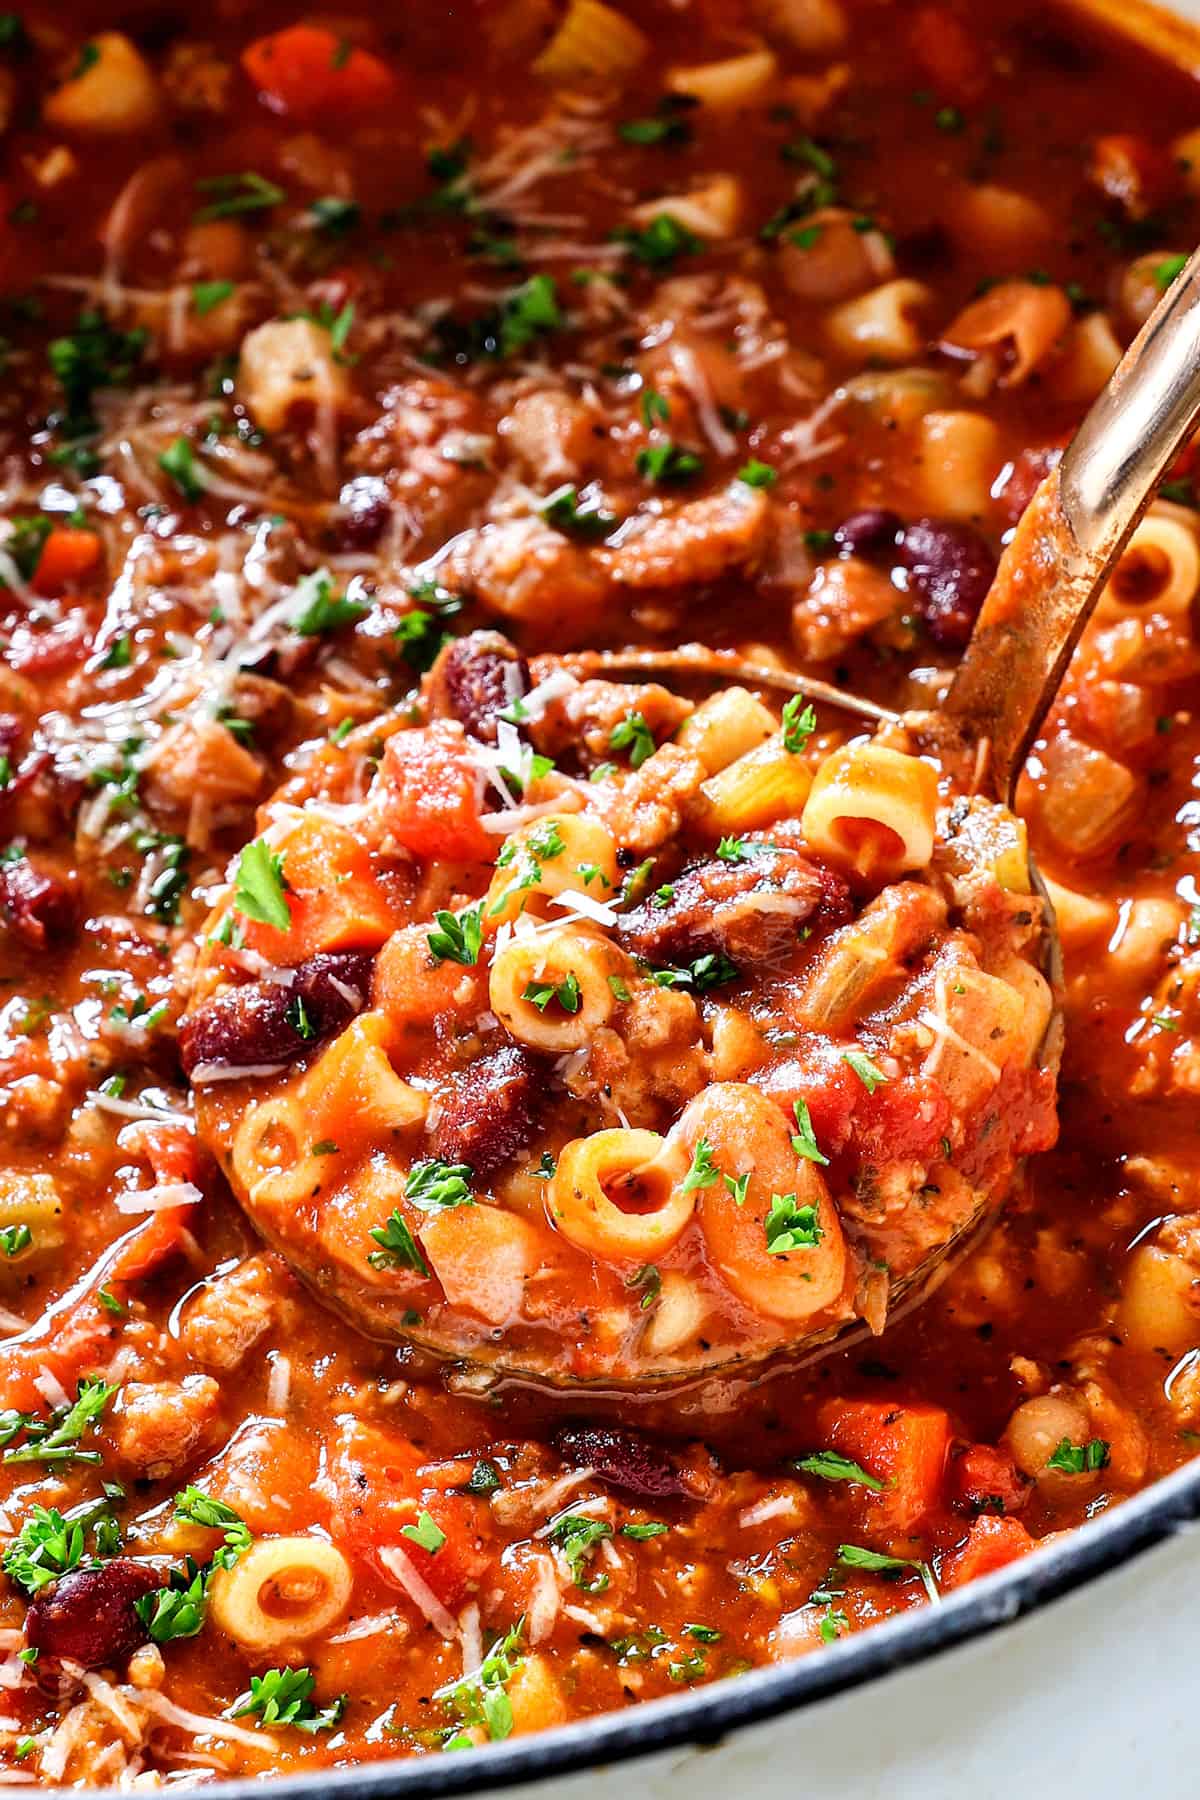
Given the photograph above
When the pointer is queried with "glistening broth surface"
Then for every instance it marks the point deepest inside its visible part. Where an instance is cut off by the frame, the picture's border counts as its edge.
(749, 324)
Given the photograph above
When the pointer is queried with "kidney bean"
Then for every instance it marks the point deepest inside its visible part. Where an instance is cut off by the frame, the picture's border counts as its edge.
(39, 906)
(490, 1114)
(90, 1615)
(950, 570)
(871, 533)
(476, 677)
(721, 906)
(624, 1459)
(261, 1021)
(369, 507)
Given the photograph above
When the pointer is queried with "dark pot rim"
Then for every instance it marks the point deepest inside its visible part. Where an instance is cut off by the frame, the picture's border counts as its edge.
(702, 1719)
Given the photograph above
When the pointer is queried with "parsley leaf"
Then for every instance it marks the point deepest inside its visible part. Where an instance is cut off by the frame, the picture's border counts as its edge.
(576, 1535)
(1079, 1459)
(195, 1507)
(757, 474)
(480, 1699)
(427, 1534)
(804, 1142)
(662, 240)
(259, 893)
(649, 1278)
(236, 194)
(437, 1186)
(566, 992)
(703, 1173)
(284, 1697)
(869, 1073)
(397, 1247)
(633, 734)
(790, 1226)
(667, 462)
(208, 295)
(855, 1556)
(14, 1239)
(57, 1439)
(832, 1466)
(588, 519)
(317, 609)
(459, 937)
(799, 723)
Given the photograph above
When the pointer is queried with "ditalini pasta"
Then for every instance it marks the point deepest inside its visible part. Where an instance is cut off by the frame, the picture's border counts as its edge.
(534, 1172)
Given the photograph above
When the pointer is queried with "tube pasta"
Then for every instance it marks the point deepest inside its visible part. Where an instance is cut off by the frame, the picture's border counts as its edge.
(593, 42)
(111, 94)
(484, 1258)
(1011, 332)
(881, 326)
(874, 809)
(271, 1153)
(647, 1169)
(568, 972)
(32, 1200)
(998, 224)
(352, 1089)
(725, 727)
(1090, 355)
(678, 1316)
(1159, 570)
(833, 258)
(713, 209)
(726, 85)
(1088, 797)
(959, 455)
(283, 363)
(524, 871)
(765, 784)
(281, 1591)
(1037, 1002)
(747, 1135)
(856, 967)
(813, 27)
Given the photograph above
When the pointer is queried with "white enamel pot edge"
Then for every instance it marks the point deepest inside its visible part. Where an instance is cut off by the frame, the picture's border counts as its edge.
(1073, 1670)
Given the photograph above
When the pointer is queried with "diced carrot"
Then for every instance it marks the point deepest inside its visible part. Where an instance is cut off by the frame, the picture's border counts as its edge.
(309, 73)
(949, 56)
(430, 795)
(990, 1544)
(987, 1480)
(372, 1482)
(904, 1446)
(69, 555)
(332, 894)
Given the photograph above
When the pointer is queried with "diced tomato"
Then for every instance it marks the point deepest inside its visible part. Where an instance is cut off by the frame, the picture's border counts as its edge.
(987, 1480)
(372, 1482)
(430, 795)
(904, 1446)
(1132, 172)
(332, 894)
(950, 56)
(68, 556)
(991, 1544)
(311, 74)
(905, 1118)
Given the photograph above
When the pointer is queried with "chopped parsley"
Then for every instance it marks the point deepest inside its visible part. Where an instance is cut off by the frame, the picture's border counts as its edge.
(633, 734)
(577, 1536)
(703, 1172)
(652, 1528)
(667, 462)
(799, 723)
(437, 1186)
(318, 609)
(790, 1226)
(739, 1186)
(757, 474)
(868, 1072)
(646, 1277)
(484, 1478)
(237, 194)
(712, 970)
(397, 1247)
(804, 1141)
(830, 1465)
(194, 1507)
(284, 1697)
(587, 519)
(565, 992)
(427, 1534)
(259, 892)
(57, 1439)
(14, 1239)
(662, 240)
(481, 1698)
(459, 936)
(1168, 272)
(855, 1556)
(208, 295)
(1079, 1459)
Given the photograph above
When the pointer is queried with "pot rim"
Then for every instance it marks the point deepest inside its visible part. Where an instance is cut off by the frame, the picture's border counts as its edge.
(702, 1719)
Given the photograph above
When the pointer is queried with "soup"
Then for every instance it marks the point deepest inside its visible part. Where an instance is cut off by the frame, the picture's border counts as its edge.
(471, 1037)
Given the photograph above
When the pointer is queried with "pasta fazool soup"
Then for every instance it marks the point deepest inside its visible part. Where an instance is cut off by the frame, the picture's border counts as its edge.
(620, 1071)
(376, 981)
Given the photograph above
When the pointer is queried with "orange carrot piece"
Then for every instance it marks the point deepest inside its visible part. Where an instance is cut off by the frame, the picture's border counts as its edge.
(69, 556)
(431, 799)
(991, 1544)
(904, 1446)
(332, 894)
(309, 73)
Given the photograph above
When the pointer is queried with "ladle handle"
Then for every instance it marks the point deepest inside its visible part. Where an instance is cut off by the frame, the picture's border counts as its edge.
(1065, 546)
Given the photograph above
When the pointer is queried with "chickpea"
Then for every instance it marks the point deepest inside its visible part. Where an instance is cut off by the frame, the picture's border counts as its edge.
(1038, 1427)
